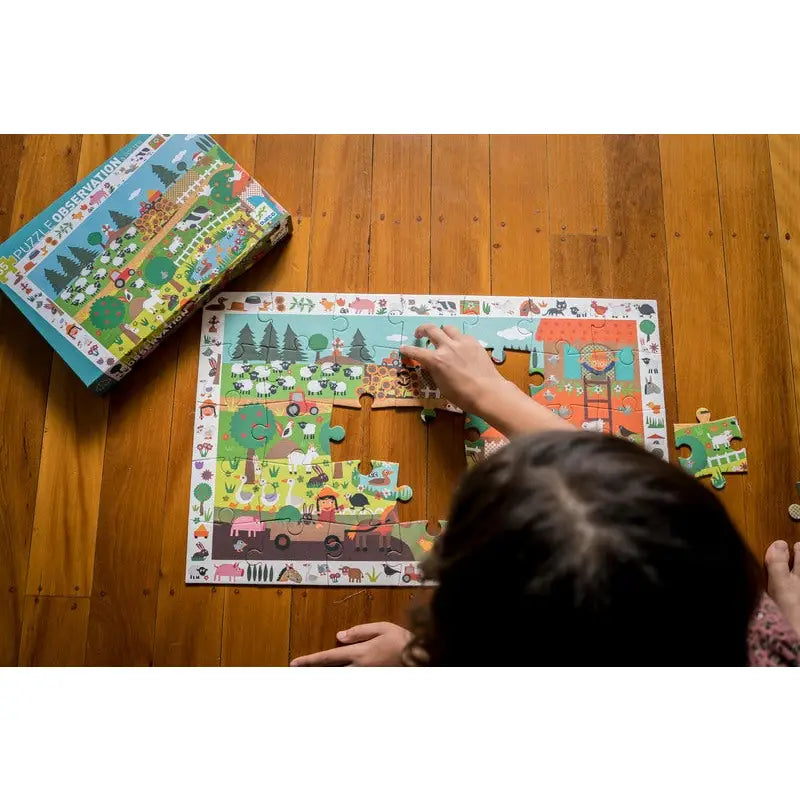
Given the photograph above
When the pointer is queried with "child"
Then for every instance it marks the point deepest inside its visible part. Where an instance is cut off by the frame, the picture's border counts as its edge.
(600, 552)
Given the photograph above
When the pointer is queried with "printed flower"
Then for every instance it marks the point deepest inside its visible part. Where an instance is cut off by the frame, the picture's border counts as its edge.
(597, 389)
(617, 388)
(568, 387)
(207, 475)
(579, 390)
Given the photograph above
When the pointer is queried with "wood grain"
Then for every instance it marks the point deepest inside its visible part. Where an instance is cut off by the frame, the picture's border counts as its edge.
(54, 631)
(47, 167)
(785, 160)
(576, 180)
(703, 374)
(65, 516)
(760, 336)
(285, 167)
(256, 628)
(129, 525)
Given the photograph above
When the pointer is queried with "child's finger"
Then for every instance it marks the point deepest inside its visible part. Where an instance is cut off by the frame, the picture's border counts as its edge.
(432, 332)
(338, 657)
(420, 354)
(361, 633)
(452, 331)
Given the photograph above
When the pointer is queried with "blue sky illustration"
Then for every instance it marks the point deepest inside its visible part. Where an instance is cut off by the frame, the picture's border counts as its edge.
(125, 199)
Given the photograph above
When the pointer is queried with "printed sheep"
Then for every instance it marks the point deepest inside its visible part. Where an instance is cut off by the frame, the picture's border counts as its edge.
(80, 283)
(340, 387)
(264, 388)
(279, 366)
(353, 372)
(315, 387)
(288, 382)
(91, 289)
(86, 271)
(307, 372)
(100, 273)
(244, 386)
(327, 368)
(237, 369)
(309, 429)
(261, 372)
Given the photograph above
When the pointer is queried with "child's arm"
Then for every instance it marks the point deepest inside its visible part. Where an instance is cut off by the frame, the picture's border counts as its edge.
(467, 377)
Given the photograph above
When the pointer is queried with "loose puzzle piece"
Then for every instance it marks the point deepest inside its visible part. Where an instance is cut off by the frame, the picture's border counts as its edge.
(710, 444)
(269, 502)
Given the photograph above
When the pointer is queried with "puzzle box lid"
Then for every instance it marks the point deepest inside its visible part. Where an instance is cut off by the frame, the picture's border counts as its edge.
(105, 271)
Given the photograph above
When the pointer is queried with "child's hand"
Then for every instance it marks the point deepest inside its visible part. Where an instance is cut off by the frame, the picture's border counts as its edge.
(376, 644)
(459, 364)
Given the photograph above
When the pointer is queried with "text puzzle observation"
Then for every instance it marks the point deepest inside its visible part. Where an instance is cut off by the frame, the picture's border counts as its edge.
(268, 503)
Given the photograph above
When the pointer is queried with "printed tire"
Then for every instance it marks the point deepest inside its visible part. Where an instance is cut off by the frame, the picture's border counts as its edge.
(313, 411)
(333, 545)
(282, 541)
(406, 579)
(119, 283)
(292, 410)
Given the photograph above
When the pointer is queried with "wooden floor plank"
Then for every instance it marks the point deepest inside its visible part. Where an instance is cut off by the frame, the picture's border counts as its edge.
(637, 250)
(256, 628)
(520, 256)
(576, 180)
(699, 288)
(285, 167)
(338, 261)
(761, 351)
(460, 264)
(54, 631)
(129, 526)
(68, 494)
(46, 167)
(785, 160)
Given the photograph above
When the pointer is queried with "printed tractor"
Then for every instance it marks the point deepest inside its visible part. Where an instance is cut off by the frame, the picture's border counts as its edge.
(120, 277)
(411, 573)
(299, 405)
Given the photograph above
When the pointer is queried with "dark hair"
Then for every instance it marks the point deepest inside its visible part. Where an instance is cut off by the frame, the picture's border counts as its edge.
(582, 548)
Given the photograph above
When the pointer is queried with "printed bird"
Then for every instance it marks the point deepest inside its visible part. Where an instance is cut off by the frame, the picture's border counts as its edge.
(654, 407)
(625, 433)
(387, 570)
(287, 431)
(598, 309)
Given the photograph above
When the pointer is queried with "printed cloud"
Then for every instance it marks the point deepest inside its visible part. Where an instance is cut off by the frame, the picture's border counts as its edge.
(514, 334)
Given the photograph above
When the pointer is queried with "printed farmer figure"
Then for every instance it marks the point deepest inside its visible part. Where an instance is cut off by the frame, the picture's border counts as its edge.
(327, 504)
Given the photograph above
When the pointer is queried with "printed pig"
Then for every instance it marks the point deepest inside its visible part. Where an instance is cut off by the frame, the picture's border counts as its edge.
(362, 304)
(232, 571)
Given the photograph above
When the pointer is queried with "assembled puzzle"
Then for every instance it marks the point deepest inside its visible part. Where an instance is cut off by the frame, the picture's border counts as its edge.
(270, 504)
(126, 255)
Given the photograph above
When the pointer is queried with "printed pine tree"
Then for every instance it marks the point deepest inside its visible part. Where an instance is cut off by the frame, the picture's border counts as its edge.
(292, 347)
(84, 256)
(358, 347)
(119, 219)
(270, 351)
(246, 349)
(165, 175)
(69, 267)
(58, 280)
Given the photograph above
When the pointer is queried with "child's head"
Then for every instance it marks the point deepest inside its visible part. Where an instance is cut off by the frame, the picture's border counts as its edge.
(579, 548)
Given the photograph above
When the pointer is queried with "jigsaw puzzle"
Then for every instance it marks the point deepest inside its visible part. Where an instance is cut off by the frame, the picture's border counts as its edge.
(710, 444)
(269, 502)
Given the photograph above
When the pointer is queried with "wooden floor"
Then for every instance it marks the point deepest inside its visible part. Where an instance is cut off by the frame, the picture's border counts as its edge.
(94, 491)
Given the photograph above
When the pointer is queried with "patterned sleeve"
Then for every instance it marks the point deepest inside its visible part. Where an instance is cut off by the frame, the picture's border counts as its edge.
(771, 641)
